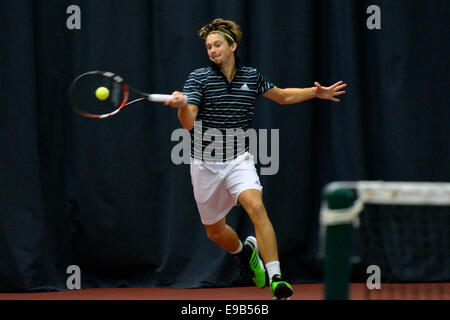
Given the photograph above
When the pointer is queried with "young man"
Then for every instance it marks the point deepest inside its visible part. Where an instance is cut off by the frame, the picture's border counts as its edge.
(221, 96)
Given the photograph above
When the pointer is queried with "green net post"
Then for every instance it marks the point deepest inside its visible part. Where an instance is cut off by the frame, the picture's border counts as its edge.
(338, 245)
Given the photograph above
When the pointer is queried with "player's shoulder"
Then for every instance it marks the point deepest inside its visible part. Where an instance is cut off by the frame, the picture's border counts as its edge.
(202, 72)
(249, 70)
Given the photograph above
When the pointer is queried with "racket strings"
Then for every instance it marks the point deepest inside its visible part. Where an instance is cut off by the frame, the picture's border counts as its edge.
(85, 101)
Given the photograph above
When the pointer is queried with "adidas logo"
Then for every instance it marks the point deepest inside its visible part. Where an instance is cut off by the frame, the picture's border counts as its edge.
(245, 87)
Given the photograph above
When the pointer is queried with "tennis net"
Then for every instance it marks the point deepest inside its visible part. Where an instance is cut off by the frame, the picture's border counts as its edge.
(391, 236)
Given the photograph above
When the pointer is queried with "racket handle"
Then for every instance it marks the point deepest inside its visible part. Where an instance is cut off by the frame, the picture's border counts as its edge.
(159, 97)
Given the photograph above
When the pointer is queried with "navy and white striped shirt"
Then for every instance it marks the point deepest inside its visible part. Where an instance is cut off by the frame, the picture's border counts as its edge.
(223, 107)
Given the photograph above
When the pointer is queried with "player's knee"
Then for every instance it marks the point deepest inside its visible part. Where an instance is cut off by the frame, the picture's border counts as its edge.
(257, 212)
(214, 235)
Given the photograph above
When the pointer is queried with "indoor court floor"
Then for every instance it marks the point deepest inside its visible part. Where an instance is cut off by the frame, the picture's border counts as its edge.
(358, 291)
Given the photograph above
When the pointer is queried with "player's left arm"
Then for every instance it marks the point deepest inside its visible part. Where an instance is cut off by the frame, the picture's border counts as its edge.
(297, 95)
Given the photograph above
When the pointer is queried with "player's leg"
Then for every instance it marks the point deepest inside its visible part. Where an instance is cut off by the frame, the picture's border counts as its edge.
(251, 201)
(223, 235)
(246, 253)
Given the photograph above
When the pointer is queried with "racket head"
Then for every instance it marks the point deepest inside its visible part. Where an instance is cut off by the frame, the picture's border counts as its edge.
(83, 99)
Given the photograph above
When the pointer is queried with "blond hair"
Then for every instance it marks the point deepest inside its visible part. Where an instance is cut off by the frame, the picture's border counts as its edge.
(230, 29)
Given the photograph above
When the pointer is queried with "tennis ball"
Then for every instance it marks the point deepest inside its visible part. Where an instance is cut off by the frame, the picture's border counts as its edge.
(102, 93)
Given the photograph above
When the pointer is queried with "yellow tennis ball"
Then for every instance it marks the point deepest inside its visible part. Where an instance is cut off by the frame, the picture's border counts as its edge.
(102, 93)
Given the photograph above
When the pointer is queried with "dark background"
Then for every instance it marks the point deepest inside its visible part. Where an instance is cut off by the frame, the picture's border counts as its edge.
(104, 194)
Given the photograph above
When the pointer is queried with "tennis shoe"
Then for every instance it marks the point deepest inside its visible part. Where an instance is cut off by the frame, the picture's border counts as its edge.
(280, 289)
(255, 263)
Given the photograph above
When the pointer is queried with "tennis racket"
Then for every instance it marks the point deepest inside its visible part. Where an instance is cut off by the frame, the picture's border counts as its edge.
(102, 94)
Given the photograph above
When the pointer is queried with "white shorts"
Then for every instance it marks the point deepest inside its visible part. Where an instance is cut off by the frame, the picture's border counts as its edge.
(217, 186)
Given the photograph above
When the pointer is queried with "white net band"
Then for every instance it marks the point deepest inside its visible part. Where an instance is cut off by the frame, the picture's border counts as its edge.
(385, 193)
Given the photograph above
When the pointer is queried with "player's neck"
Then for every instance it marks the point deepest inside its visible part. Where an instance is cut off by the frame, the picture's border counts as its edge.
(229, 69)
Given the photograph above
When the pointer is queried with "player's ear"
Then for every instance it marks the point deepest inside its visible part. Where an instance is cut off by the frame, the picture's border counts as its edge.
(234, 46)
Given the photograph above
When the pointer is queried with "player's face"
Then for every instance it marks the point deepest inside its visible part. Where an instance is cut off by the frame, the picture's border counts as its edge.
(219, 50)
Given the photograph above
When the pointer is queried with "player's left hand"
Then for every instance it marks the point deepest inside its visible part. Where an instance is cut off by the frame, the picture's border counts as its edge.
(329, 93)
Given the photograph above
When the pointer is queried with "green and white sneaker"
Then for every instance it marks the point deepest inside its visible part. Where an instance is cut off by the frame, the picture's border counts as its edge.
(255, 263)
(280, 290)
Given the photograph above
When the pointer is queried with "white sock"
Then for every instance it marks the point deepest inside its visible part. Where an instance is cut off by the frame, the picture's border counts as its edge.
(239, 249)
(273, 268)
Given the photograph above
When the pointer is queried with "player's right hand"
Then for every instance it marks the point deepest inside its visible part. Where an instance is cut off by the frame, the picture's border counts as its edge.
(178, 100)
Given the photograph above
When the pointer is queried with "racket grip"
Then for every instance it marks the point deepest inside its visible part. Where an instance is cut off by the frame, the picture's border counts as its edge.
(159, 97)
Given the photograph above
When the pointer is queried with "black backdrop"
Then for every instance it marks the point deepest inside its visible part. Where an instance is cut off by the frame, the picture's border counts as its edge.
(104, 195)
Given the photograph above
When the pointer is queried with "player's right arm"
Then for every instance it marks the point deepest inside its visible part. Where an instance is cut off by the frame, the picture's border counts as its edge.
(187, 113)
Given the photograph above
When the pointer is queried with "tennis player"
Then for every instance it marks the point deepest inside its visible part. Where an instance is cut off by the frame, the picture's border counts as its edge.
(221, 97)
